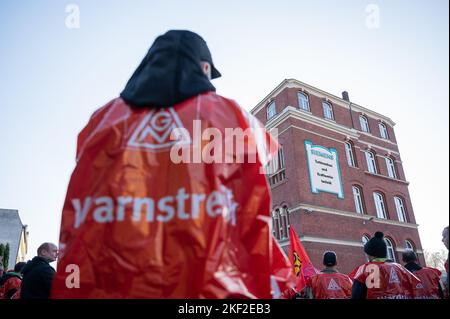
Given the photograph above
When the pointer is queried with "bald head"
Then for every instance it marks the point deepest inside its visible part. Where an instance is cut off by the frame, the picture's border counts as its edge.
(48, 251)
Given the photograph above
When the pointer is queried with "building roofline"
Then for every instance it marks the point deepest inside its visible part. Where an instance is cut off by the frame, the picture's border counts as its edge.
(341, 102)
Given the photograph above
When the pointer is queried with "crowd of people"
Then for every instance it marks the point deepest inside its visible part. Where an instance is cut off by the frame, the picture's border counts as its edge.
(379, 278)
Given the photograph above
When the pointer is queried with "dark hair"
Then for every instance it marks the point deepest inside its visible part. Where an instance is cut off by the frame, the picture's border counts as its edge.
(409, 256)
(18, 267)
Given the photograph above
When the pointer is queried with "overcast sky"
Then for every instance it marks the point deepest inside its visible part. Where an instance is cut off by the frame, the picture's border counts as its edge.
(391, 56)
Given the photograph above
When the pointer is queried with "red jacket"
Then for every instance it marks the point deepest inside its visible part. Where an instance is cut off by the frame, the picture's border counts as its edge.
(330, 286)
(139, 225)
(430, 279)
(387, 280)
(10, 287)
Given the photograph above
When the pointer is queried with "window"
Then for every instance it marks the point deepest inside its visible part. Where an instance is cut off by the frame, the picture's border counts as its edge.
(276, 223)
(357, 196)
(349, 153)
(379, 205)
(271, 111)
(383, 130)
(390, 167)
(281, 157)
(327, 110)
(284, 223)
(371, 164)
(365, 239)
(409, 245)
(390, 250)
(364, 123)
(400, 207)
(303, 101)
(275, 169)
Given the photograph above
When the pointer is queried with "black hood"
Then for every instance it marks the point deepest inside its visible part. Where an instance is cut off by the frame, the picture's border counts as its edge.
(35, 262)
(170, 72)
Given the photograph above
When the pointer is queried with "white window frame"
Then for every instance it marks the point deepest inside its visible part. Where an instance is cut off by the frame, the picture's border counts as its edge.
(380, 206)
(409, 245)
(327, 108)
(390, 167)
(390, 250)
(281, 157)
(364, 240)
(357, 198)
(303, 101)
(383, 130)
(284, 216)
(276, 218)
(371, 162)
(364, 122)
(349, 154)
(400, 208)
(271, 110)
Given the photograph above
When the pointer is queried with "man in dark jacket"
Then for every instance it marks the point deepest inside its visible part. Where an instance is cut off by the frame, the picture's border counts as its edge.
(38, 274)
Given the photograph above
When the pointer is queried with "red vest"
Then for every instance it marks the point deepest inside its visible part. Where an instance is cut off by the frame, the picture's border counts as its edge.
(387, 280)
(430, 281)
(330, 286)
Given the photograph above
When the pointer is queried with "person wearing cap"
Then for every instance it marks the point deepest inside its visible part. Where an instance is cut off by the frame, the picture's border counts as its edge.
(329, 284)
(380, 278)
(430, 277)
(143, 217)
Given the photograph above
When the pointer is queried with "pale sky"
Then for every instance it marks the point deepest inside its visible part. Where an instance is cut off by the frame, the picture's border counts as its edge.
(53, 77)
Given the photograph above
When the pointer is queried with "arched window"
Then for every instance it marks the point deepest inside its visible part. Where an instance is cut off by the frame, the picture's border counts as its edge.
(390, 250)
(390, 167)
(285, 223)
(371, 162)
(271, 110)
(303, 101)
(358, 199)
(365, 239)
(383, 130)
(327, 111)
(364, 123)
(409, 245)
(380, 205)
(349, 153)
(276, 223)
(400, 208)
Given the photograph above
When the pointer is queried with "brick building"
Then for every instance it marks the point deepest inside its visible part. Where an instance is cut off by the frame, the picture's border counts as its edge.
(338, 177)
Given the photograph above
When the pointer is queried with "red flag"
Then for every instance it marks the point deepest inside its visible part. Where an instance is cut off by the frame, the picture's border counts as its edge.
(302, 266)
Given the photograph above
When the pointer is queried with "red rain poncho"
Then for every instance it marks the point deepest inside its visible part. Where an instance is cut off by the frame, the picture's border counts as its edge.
(136, 224)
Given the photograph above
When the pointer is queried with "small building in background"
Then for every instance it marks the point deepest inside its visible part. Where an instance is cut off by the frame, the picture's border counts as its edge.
(14, 233)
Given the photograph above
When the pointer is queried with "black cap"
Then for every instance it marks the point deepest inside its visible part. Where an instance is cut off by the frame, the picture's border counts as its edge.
(329, 258)
(376, 246)
(198, 46)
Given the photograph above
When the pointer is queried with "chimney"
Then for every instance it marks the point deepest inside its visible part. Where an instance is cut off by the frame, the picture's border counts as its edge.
(345, 96)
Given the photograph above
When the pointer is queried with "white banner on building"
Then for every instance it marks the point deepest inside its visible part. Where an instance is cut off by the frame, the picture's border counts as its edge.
(324, 173)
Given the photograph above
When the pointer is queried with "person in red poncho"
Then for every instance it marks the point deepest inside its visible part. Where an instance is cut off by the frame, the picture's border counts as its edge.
(381, 279)
(159, 205)
(430, 277)
(329, 283)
